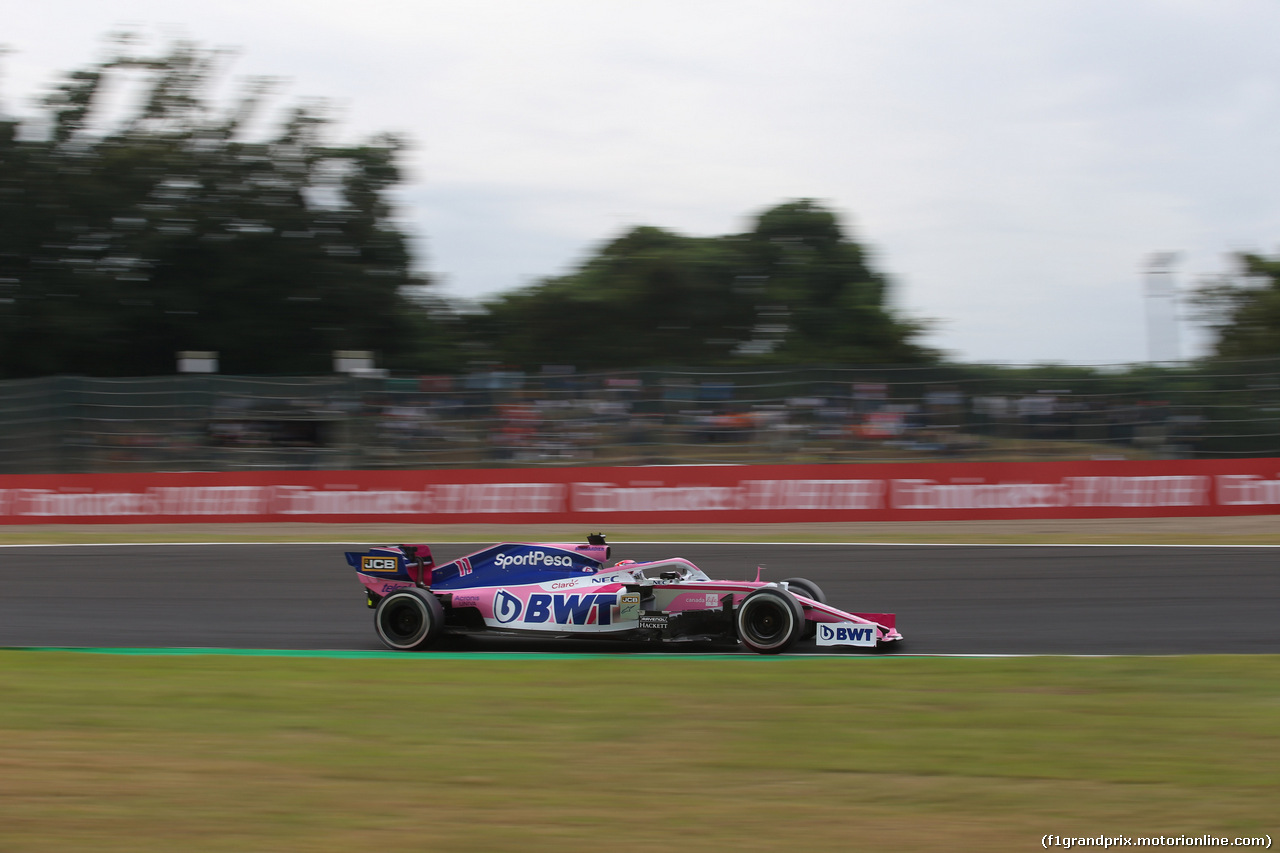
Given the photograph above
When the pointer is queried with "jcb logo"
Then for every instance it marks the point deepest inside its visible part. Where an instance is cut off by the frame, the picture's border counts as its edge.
(379, 564)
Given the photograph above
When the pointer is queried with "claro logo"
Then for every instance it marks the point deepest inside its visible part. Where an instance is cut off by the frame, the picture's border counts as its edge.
(532, 558)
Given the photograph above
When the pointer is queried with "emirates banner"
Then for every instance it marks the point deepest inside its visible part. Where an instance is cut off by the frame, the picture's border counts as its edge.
(595, 497)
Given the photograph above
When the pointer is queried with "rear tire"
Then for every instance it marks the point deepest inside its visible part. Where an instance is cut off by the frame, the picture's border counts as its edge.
(769, 620)
(409, 619)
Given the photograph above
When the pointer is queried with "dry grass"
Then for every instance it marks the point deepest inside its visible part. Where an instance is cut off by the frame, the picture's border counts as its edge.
(221, 753)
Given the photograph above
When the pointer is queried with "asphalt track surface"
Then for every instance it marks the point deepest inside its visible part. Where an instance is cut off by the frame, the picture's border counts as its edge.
(950, 599)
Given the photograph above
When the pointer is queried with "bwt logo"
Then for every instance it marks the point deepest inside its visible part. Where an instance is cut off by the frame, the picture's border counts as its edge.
(562, 609)
(853, 635)
(506, 607)
(533, 558)
(379, 564)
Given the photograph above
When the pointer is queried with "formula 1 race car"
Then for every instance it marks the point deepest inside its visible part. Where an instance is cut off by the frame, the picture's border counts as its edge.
(564, 590)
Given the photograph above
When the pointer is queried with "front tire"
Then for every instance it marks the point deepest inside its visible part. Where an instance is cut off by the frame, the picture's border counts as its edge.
(769, 620)
(409, 619)
(807, 588)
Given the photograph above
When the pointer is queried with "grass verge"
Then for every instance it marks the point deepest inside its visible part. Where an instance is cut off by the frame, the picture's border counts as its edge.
(229, 753)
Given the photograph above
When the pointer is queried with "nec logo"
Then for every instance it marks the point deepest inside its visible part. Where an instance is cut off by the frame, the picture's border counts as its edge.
(846, 634)
(379, 564)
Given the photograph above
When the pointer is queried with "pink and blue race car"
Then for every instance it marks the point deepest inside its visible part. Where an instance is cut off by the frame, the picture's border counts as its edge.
(565, 590)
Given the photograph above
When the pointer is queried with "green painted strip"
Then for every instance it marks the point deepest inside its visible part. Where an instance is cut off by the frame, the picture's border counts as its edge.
(374, 654)
(368, 654)
(364, 654)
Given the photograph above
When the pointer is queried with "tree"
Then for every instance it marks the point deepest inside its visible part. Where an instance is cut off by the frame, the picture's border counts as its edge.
(831, 305)
(1243, 308)
(648, 297)
(174, 230)
(794, 289)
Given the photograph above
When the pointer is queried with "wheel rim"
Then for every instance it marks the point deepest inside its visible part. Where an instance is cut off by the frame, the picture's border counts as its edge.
(767, 623)
(403, 621)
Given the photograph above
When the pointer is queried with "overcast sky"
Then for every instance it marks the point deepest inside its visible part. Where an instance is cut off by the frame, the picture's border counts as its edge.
(1012, 163)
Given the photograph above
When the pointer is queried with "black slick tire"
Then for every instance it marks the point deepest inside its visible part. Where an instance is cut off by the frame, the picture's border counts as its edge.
(809, 589)
(769, 620)
(409, 619)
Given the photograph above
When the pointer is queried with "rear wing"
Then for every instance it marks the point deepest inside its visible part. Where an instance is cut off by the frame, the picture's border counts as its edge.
(394, 562)
(508, 562)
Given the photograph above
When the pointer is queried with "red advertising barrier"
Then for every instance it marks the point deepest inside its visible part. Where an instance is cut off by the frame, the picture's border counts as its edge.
(666, 495)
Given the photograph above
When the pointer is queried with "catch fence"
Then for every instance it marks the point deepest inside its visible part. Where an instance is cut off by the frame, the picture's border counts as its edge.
(64, 424)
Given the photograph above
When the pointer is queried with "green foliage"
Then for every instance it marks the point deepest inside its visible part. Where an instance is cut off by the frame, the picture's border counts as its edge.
(648, 297)
(832, 302)
(793, 290)
(170, 230)
(177, 228)
(1244, 309)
